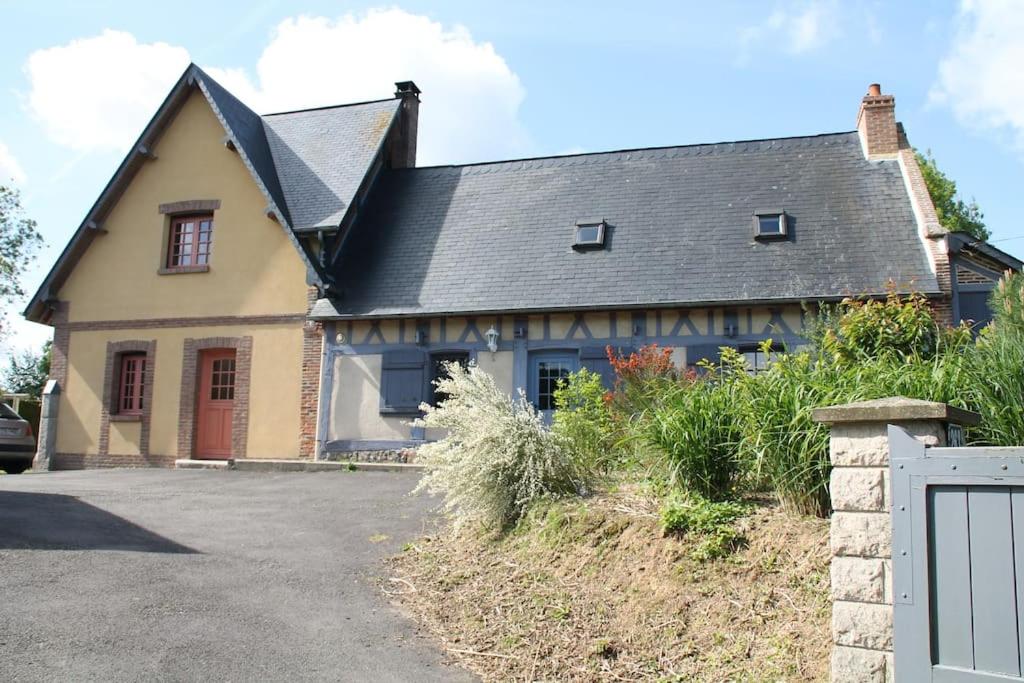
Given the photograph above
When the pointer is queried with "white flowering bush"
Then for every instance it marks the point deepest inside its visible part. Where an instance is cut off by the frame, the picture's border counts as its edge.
(498, 457)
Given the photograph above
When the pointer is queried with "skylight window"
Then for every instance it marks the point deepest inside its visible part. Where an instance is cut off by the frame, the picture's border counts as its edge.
(770, 224)
(589, 234)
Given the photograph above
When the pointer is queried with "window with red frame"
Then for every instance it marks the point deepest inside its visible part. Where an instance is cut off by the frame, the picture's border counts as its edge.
(132, 383)
(190, 241)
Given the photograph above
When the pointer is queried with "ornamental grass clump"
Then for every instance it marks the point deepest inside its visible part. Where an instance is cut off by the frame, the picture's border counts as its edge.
(498, 457)
(694, 424)
(998, 367)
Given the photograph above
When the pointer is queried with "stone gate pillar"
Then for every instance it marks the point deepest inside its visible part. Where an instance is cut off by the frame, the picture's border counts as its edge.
(46, 440)
(861, 532)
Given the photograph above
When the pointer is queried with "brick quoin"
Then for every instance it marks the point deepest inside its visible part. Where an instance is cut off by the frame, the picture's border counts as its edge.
(312, 347)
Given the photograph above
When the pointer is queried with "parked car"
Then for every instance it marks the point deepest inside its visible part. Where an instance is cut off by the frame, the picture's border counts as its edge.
(17, 443)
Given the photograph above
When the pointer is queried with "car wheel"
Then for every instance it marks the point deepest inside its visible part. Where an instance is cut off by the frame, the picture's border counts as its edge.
(14, 467)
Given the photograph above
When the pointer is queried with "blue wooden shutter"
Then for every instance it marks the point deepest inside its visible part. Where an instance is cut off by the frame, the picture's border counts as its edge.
(595, 359)
(974, 307)
(402, 382)
(694, 354)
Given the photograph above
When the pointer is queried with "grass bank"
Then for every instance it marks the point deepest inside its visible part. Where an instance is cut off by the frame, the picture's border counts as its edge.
(590, 589)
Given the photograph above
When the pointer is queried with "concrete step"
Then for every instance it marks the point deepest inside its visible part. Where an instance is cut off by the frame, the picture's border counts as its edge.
(186, 464)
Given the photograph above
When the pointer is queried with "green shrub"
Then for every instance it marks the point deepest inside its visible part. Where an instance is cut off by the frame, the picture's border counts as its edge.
(861, 329)
(997, 366)
(497, 458)
(583, 421)
(711, 521)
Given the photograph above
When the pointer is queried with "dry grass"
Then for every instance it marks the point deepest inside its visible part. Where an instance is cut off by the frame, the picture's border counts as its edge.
(592, 591)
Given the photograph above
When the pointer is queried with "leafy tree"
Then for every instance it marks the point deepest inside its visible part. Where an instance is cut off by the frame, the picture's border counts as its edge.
(28, 372)
(954, 213)
(19, 245)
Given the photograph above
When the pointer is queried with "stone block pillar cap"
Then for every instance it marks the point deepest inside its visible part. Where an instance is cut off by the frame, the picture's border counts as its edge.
(895, 409)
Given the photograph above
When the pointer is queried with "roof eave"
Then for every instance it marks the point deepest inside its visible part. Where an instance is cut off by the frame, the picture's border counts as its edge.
(537, 310)
(958, 241)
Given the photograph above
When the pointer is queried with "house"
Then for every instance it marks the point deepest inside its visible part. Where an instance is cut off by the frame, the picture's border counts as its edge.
(288, 285)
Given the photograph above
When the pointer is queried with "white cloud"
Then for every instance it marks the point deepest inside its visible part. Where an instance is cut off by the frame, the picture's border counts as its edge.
(10, 169)
(98, 93)
(979, 79)
(471, 97)
(795, 28)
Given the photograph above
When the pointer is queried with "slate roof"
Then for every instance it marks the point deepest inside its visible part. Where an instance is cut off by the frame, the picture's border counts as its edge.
(249, 135)
(322, 156)
(498, 236)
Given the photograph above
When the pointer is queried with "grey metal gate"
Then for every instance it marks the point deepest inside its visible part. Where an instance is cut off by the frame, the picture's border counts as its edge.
(958, 562)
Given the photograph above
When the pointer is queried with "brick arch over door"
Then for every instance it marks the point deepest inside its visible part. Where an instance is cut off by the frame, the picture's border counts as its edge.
(190, 368)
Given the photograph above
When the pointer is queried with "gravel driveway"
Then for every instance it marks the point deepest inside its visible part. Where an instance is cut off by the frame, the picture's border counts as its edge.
(123, 575)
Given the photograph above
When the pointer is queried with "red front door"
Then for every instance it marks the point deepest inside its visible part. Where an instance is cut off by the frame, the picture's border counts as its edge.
(216, 404)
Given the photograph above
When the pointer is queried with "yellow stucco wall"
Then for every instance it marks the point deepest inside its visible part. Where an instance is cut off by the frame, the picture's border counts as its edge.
(273, 393)
(254, 270)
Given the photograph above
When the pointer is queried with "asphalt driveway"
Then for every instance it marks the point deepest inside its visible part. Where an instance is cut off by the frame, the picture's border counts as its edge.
(205, 575)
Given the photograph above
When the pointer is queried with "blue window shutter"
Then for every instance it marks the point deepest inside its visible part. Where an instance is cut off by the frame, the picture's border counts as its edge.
(402, 382)
(694, 354)
(595, 359)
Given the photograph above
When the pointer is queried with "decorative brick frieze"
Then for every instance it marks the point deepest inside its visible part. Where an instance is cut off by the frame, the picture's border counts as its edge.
(189, 206)
(199, 321)
(190, 368)
(111, 375)
(312, 354)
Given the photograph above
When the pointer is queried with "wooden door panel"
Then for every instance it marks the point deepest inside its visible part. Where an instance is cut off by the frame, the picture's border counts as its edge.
(216, 403)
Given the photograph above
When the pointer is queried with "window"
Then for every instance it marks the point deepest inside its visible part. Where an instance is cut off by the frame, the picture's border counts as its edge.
(189, 241)
(132, 383)
(757, 360)
(437, 371)
(589, 234)
(222, 380)
(547, 369)
(770, 224)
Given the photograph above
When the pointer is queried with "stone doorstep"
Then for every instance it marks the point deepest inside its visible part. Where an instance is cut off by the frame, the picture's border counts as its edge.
(189, 464)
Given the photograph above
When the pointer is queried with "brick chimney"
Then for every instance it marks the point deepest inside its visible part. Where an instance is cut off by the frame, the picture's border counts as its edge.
(404, 151)
(876, 124)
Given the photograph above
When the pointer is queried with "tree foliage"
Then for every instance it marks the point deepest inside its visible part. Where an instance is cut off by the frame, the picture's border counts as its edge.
(28, 371)
(955, 214)
(19, 245)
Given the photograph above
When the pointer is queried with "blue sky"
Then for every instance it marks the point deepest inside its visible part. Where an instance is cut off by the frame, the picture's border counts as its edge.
(78, 80)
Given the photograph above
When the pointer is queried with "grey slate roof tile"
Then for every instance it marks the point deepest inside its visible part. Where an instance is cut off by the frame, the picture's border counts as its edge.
(322, 156)
(497, 237)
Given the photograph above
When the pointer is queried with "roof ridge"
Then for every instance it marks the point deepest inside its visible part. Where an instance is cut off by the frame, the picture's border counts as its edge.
(330, 106)
(633, 150)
